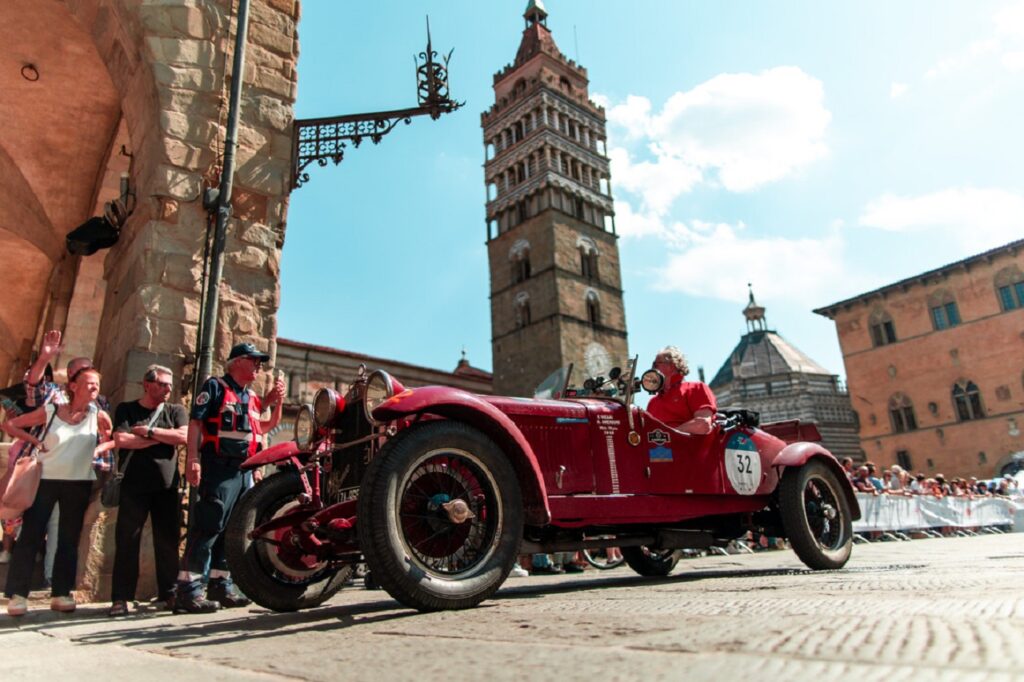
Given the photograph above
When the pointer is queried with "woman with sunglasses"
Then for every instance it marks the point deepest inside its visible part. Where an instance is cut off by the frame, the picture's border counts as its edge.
(67, 448)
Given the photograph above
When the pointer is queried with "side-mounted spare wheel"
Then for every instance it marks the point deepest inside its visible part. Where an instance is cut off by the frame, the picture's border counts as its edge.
(440, 516)
(816, 515)
(272, 573)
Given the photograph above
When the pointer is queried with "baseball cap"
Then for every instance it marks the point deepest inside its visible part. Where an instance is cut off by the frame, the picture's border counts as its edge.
(247, 350)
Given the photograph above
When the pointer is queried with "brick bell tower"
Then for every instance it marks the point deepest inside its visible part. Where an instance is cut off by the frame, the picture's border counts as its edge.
(556, 291)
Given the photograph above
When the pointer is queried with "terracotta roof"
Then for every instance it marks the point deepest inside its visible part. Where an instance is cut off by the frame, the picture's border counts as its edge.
(1011, 248)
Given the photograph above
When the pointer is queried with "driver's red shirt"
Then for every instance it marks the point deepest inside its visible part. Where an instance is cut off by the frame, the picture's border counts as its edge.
(680, 400)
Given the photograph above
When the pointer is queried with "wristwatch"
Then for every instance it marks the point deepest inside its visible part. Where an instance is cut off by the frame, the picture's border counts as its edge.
(149, 433)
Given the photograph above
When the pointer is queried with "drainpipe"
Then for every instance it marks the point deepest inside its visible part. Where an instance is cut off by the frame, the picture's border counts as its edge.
(221, 202)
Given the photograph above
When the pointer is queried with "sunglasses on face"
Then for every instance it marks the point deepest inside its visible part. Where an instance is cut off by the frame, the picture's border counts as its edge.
(161, 384)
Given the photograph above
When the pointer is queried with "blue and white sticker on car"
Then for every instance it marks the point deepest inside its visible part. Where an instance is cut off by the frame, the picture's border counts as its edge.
(742, 464)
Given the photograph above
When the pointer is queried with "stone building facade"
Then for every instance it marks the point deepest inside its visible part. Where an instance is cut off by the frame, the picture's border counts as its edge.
(556, 289)
(101, 95)
(97, 90)
(768, 374)
(935, 365)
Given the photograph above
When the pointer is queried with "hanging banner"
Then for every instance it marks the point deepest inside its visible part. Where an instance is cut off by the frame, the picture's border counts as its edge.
(900, 512)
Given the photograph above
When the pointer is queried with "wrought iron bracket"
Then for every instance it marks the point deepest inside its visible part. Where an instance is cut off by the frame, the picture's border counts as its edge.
(325, 140)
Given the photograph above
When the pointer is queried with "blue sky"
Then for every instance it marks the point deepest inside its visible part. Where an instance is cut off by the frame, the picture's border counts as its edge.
(818, 150)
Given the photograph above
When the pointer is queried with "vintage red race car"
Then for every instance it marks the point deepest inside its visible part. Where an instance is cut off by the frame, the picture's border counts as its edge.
(438, 490)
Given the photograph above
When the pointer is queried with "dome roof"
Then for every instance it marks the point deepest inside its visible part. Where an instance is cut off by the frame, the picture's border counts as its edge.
(765, 354)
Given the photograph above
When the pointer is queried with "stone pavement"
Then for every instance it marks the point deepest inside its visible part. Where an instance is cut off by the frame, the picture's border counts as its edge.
(949, 609)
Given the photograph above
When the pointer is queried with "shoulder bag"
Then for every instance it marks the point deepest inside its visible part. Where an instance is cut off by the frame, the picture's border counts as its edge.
(22, 482)
(110, 496)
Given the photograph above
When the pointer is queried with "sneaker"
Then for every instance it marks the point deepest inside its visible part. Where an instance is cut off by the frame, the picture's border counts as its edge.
(5, 556)
(17, 606)
(189, 599)
(224, 591)
(118, 608)
(65, 604)
(518, 572)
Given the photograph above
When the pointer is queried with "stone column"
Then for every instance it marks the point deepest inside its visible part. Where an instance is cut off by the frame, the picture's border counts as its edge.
(175, 98)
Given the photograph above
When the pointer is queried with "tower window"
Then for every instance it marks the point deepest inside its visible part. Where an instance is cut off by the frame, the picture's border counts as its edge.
(901, 414)
(578, 208)
(588, 257)
(522, 309)
(593, 308)
(1010, 288)
(519, 258)
(967, 401)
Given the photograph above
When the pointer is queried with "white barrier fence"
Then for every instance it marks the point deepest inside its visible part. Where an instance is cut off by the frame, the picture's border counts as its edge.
(899, 512)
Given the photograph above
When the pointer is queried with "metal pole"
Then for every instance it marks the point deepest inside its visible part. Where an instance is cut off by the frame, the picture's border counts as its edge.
(216, 269)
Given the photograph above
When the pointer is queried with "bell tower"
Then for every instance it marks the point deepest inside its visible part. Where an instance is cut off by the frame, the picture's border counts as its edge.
(556, 290)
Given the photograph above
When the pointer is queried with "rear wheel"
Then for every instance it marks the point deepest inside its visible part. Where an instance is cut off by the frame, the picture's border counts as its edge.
(274, 575)
(816, 516)
(654, 563)
(440, 517)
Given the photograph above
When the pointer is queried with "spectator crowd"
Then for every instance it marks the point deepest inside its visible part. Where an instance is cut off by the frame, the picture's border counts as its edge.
(896, 481)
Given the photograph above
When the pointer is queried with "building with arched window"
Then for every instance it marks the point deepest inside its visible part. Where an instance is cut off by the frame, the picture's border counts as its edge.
(935, 365)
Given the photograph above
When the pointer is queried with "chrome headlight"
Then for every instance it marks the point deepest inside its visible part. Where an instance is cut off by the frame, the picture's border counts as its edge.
(304, 428)
(379, 387)
(652, 380)
(327, 405)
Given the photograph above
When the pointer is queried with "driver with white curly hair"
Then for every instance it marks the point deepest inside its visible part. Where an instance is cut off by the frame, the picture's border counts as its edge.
(687, 406)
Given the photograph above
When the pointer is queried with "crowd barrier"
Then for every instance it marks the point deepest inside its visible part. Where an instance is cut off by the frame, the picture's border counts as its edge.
(901, 512)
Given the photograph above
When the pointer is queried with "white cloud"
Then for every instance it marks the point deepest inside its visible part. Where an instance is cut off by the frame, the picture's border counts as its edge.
(976, 219)
(719, 259)
(657, 183)
(897, 90)
(964, 58)
(1014, 61)
(1009, 20)
(740, 131)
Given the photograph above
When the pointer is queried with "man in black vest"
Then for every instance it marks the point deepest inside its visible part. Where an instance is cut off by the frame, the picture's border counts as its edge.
(224, 428)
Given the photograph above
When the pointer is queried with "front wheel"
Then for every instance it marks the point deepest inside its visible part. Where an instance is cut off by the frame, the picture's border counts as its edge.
(440, 517)
(653, 563)
(268, 571)
(816, 516)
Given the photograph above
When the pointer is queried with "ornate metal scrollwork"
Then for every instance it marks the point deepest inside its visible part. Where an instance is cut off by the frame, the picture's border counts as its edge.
(325, 140)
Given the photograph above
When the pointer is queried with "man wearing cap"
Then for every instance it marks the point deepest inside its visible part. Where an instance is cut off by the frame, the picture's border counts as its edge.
(224, 428)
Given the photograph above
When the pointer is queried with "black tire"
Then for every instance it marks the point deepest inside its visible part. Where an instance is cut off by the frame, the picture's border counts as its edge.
(653, 563)
(816, 516)
(274, 580)
(415, 551)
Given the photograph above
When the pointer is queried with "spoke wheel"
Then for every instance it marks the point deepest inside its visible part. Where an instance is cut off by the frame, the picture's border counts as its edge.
(598, 558)
(440, 517)
(269, 570)
(816, 515)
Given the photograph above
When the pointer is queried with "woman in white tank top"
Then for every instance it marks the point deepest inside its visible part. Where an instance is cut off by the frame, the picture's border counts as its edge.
(67, 449)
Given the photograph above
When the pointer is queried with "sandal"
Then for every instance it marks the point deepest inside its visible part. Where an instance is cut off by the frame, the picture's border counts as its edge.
(119, 608)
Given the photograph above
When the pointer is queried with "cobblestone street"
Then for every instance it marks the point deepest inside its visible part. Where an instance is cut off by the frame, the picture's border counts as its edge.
(948, 609)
